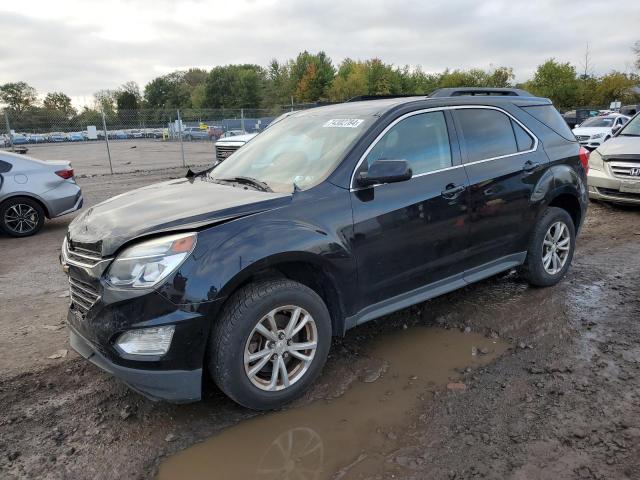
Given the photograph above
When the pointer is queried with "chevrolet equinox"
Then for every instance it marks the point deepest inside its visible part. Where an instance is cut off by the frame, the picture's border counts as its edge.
(332, 217)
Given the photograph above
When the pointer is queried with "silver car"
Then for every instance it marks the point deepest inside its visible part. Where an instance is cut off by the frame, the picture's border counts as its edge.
(614, 167)
(31, 190)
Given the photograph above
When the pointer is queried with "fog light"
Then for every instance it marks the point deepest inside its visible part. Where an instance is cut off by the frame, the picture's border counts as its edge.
(146, 341)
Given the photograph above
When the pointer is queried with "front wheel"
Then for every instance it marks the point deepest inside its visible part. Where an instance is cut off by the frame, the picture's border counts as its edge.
(270, 343)
(551, 248)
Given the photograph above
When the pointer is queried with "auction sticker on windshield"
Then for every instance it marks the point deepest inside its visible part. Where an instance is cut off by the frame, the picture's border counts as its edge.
(343, 123)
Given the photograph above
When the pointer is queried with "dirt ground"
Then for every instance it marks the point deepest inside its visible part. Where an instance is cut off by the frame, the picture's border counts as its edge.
(90, 158)
(497, 380)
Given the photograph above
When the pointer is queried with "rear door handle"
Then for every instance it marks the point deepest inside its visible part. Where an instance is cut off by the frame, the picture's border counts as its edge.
(452, 191)
(530, 167)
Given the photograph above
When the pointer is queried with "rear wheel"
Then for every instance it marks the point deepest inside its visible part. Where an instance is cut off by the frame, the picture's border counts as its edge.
(21, 217)
(551, 248)
(270, 343)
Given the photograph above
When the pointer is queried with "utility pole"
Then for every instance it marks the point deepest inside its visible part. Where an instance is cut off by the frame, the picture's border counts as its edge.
(6, 120)
(180, 133)
(106, 139)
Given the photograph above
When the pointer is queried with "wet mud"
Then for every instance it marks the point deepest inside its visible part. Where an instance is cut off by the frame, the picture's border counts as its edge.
(354, 432)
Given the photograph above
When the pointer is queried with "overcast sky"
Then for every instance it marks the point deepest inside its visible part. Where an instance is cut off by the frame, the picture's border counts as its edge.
(79, 47)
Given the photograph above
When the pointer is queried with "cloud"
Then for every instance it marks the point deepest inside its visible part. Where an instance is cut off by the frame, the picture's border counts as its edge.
(80, 46)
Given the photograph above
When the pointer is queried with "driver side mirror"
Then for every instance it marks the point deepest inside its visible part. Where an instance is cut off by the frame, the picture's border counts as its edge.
(385, 171)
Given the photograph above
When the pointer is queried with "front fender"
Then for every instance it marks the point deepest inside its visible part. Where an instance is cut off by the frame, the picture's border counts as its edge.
(227, 255)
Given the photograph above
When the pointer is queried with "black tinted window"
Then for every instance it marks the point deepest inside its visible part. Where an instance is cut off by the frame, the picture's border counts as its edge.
(523, 139)
(548, 115)
(422, 140)
(487, 133)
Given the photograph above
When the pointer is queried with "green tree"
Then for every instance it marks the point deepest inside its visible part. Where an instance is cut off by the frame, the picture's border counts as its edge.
(556, 81)
(312, 76)
(59, 102)
(168, 91)
(18, 96)
(126, 101)
(636, 50)
(616, 86)
(234, 86)
(105, 100)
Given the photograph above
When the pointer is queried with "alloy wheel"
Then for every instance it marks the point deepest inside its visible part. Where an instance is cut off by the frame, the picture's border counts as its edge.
(555, 248)
(21, 218)
(280, 348)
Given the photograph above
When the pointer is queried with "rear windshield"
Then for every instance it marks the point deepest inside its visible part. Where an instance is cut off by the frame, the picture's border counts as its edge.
(548, 115)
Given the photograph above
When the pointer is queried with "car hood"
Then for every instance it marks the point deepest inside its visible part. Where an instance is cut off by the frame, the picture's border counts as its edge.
(237, 139)
(186, 203)
(590, 130)
(620, 145)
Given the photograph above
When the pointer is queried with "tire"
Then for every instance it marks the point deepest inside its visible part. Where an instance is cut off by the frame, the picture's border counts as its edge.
(234, 337)
(535, 270)
(21, 217)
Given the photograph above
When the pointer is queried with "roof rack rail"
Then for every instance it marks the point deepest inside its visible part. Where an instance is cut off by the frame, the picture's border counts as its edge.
(479, 91)
(362, 98)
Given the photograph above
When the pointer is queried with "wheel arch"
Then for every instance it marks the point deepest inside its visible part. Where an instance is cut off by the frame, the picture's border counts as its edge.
(306, 268)
(30, 196)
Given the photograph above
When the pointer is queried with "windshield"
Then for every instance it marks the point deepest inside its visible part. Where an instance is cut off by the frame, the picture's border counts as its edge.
(301, 150)
(632, 128)
(598, 122)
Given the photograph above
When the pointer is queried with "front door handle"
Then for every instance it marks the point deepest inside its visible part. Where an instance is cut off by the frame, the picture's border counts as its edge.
(452, 191)
(530, 167)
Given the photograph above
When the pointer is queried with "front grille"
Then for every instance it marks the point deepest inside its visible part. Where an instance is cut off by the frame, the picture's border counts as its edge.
(625, 169)
(224, 152)
(83, 253)
(83, 295)
(583, 138)
(616, 193)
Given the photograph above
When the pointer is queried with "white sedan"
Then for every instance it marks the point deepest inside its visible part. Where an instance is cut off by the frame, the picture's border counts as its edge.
(594, 131)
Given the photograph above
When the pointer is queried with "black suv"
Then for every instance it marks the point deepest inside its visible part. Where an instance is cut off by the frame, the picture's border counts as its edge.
(328, 219)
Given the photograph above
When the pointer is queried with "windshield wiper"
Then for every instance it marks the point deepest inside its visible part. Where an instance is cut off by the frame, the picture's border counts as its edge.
(254, 182)
(628, 135)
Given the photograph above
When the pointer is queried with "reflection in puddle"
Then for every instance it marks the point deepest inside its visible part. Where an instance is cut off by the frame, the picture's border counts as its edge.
(354, 431)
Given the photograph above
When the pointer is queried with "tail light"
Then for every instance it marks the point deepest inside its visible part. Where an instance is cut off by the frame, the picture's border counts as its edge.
(66, 174)
(584, 159)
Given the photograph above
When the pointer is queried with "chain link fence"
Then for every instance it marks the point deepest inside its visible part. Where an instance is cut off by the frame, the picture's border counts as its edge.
(130, 140)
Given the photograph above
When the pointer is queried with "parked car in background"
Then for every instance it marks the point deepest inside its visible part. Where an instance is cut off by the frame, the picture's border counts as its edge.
(325, 221)
(233, 133)
(75, 137)
(136, 133)
(594, 131)
(195, 133)
(32, 190)
(4, 140)
(614, 173)
(215, 132)
(37, 138)
(19, 139)
(630, 110)
(226, 146)
(120, 135)
(57, 137)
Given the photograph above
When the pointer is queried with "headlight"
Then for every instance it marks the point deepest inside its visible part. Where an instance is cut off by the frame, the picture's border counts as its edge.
(598, 135)
(595, 161)
(145, 264)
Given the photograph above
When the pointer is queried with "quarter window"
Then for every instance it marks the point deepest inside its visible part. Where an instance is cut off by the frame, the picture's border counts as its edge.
(487, 133)
(422, 140)
(523, 139)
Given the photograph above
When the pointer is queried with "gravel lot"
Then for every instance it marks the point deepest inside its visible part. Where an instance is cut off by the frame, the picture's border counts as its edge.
(552, 392)
(90, 158)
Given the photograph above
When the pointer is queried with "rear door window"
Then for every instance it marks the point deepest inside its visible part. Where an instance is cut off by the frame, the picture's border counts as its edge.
(486, 133)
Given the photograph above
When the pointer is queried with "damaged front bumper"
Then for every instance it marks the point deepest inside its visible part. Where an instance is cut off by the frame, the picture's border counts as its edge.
(178, 386)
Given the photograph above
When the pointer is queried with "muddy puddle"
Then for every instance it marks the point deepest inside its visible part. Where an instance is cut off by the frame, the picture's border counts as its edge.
(349, 436)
